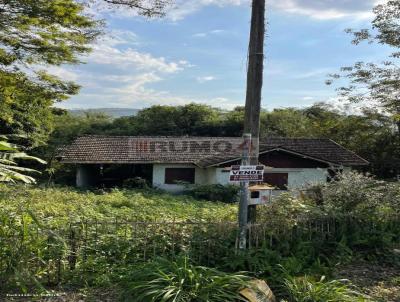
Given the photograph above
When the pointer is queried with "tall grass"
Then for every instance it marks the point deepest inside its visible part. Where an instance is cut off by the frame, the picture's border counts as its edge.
(181, 281)
(57, 206)
(307, 289)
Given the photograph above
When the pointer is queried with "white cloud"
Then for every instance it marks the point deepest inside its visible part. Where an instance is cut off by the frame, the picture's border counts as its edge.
(200, 35)
(327, 9)
(353, 108)
(317, 9)
(314, 73)
(184, 8)
(107, 52)
(205, 79)
(208, 33)
(118, 74)
(63, 73)
(133, 97)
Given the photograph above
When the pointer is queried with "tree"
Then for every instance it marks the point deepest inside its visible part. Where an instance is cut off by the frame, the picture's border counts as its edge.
(191, 119)
(35, 34)
(148, 8)
(377, 82)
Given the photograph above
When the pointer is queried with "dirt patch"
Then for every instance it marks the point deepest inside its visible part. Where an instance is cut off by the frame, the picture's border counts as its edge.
(379, 281)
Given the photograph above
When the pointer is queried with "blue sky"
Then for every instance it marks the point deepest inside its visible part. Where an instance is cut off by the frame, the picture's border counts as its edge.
(197, 53)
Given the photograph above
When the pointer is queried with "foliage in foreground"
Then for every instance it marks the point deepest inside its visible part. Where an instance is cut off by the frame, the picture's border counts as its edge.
(307, 235)
(307, 289)
(9, 169)
(181, 281)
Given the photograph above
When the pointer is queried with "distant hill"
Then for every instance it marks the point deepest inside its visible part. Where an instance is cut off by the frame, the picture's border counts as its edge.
(113, 112)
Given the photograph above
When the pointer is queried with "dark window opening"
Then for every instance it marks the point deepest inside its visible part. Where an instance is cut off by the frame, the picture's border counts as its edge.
(333, 174)
(278, 180)
(174, 175)
(115, 175)
(255, 194)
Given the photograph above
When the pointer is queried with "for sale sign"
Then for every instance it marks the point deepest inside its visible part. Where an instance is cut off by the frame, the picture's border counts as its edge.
(246, 173)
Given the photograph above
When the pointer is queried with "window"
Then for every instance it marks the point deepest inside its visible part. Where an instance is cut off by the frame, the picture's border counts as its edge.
(255, 194)
(278, 180)
(174, 175)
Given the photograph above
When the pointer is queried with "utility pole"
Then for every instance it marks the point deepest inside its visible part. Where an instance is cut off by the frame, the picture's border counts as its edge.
(254, 84)
(244, 194)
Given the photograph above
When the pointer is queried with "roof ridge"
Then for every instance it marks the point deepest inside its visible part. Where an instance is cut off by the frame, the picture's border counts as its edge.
(158, 136)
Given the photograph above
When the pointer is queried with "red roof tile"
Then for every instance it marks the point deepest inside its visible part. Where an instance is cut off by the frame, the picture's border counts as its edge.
(202, 151)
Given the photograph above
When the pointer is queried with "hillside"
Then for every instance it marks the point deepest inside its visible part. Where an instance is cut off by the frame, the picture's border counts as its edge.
(113, 112)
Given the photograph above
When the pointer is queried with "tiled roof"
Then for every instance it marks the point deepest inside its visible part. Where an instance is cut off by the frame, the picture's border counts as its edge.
(202, 151)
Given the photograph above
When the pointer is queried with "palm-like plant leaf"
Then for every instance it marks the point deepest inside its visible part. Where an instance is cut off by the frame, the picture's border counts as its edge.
(6, 146)
(23, 155)
(9, 169)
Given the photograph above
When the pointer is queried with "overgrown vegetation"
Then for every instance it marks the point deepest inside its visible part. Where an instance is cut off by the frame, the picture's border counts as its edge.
(56, 206)
(72, 238)
(224, 193)
(181, 281)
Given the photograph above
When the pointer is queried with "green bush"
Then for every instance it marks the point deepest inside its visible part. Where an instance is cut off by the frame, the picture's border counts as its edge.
(180, 281)
(307, 289)
(224, 193)
(135, 183)
(352, 193)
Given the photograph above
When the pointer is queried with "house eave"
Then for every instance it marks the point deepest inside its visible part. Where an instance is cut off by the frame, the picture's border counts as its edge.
(287, 151)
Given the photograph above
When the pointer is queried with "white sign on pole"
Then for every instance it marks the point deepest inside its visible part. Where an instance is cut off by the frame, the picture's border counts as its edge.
(246, 173)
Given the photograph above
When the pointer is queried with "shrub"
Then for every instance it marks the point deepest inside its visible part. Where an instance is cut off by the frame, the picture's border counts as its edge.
(352, 193)
(180, 281)
(135, 183)
(306, 289)
(224, 193)
(285, 209)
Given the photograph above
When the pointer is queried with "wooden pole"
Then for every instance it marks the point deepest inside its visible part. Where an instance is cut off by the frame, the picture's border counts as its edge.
(244, 194)
(254, 83)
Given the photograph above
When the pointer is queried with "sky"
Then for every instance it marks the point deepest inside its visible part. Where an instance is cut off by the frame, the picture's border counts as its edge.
(198, 53)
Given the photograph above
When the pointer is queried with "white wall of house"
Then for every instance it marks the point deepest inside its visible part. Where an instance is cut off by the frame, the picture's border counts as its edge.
(300, 177)
(221, 176)
(303, 177)
(297, 177)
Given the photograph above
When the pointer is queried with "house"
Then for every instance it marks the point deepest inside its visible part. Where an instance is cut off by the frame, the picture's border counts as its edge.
(166, 162)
